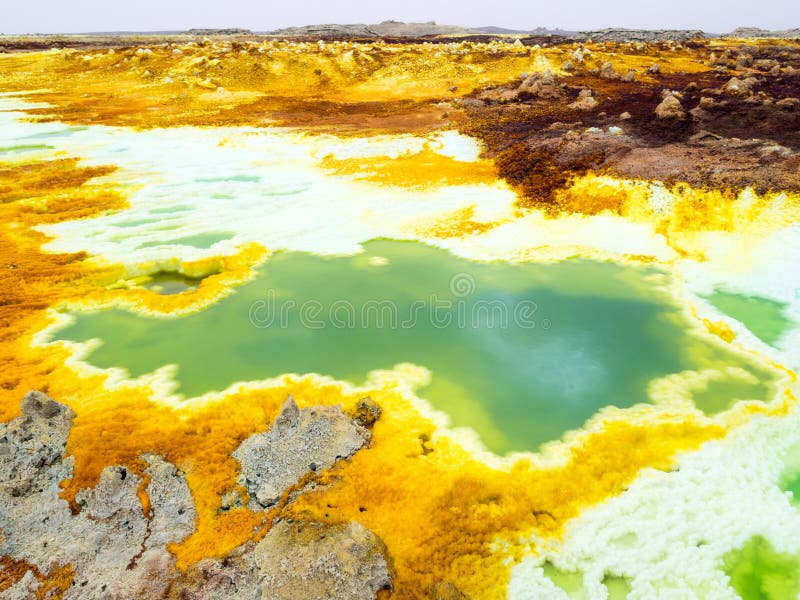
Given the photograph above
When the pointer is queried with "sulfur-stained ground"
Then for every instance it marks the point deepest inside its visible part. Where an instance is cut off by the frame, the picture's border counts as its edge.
(577, 131)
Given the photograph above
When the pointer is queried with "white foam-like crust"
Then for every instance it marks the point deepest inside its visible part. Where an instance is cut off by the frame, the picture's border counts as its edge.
(768, 267)
(721, 495)
(668, 533)
(296, 205)
(293, 205)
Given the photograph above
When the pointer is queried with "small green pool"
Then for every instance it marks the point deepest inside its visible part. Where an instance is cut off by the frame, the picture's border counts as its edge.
(520, 352)
(759, 572)
(764, 317)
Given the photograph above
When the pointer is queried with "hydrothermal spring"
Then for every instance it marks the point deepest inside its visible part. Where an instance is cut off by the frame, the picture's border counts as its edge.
(522, 353)
(570, 348)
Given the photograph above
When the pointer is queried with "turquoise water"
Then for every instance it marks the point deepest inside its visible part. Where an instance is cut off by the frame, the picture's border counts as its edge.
(520, 352)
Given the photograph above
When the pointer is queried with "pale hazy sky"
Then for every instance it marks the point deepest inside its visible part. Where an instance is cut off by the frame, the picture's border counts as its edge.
(64, 16)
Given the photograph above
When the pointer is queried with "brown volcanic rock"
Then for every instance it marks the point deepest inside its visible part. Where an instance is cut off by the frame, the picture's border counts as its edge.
(670, 108)
(294, 561)
(715, 132)
(316, 561)
(540, 85)
(234, 577)
(444, 590)
(714, 162)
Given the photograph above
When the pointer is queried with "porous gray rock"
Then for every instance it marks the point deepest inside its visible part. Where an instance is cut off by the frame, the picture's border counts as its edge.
(173, 511)
(117, 552)
(299, 442)
(31, 446)
(317, 561)
(639, 35)
(108, 543)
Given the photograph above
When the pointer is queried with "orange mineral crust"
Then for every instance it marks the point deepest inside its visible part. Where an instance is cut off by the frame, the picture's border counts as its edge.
(53, 584)
(339, 86)
(445, 511)
(32, 280)
(415, 489)
(438, 509)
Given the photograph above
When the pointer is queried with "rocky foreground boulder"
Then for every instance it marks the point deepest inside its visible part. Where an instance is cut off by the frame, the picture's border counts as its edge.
(316, 561)
(112, 549)
(299, 442)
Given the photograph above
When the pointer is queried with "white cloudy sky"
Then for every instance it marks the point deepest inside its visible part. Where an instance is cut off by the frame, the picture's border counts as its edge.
(48, 16)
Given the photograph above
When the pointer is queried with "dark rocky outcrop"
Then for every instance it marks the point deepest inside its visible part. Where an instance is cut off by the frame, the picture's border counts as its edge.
(230, 31)
(755, 32)
(639, 35)
(391, 29)
(710, 129)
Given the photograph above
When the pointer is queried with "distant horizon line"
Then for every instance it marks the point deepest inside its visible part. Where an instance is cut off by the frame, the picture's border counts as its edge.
(500, 30)
(477, 29)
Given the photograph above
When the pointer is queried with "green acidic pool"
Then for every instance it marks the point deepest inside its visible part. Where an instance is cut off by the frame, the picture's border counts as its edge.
(24, 148)
(201, 240)
(617, 588)
(764, 317)
(167, 284)
(520, 352)
(759, 572)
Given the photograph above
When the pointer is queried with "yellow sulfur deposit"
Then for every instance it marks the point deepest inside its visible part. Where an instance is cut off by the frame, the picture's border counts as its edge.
(381, 129)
